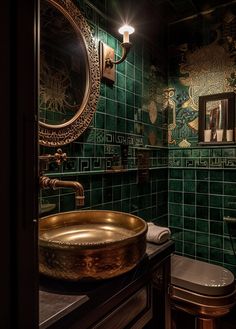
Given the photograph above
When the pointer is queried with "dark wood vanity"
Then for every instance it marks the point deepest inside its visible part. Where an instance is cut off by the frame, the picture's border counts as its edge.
(137, 299)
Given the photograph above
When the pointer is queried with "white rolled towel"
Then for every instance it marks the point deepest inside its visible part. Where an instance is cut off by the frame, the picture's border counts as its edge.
(157, 234)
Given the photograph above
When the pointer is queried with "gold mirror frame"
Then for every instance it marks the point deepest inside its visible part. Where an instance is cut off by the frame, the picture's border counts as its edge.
(62, 134)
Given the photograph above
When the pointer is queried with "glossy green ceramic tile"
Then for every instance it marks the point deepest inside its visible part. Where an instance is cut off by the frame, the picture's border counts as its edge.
(189, 223)
(202, 225)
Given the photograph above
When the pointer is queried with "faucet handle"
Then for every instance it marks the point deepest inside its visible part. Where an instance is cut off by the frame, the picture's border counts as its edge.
(59, 156)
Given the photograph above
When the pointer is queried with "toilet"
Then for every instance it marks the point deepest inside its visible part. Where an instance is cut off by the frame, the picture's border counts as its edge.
(201, 289)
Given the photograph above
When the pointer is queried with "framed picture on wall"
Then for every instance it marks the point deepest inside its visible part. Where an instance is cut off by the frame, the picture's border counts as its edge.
(217, 119)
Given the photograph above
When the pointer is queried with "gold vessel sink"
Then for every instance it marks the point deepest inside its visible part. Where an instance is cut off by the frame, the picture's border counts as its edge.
(90, 244)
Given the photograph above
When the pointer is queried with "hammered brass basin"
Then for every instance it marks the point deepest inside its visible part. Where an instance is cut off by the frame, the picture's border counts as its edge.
(90, 244)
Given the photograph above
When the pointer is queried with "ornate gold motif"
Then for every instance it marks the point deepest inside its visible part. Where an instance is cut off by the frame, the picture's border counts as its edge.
(184, 143)
(207, 71)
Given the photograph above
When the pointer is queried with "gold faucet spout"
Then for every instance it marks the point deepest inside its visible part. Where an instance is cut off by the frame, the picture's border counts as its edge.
(54, 183)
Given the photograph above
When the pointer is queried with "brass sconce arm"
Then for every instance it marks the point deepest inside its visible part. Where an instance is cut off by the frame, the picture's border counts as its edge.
(46, 182)
(107, 54)
(125, 50)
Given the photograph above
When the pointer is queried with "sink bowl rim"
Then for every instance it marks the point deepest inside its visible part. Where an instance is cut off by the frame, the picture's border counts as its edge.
(57, 244)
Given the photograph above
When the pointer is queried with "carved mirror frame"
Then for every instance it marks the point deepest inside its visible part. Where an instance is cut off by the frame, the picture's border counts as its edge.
(62, 134)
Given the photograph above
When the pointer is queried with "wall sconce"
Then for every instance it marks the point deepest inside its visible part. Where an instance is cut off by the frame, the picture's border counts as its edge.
(107, 54)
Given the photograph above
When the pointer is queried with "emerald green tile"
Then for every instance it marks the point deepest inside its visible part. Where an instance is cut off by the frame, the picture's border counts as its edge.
(175, 185)
(130, 70)
(175, 209)
(67, 202)
(216, 214)
(216, 201)
(216, 241)
(189, 236)
(202, 199)
(189, 223)
(96, 196)
(137, 101)
(202, 212)
(189, 186)
(130, 84)
(121, 68)
(216, 175)
(202, 187)
(121, 125)
(175, 197)
(189, 248)
(230, 175)
(130, 112)
(120, 81)
(189, 210)
(138, 75)
(110, 123)
(130, 98)
(179, 247)
(216, 254)
(176, 221)
(99, 150)
(189, 198)
(216, 188)
(202, 225)
(111, 41)
(202, 252)
(110, 92)
(138, 88)
(216, 227)
(189, 174)
(202, 174)
(230, 189)
(175, 173)
(120, 95)
(202, 238)
(99, 120)
(111, 107)
(88, 150)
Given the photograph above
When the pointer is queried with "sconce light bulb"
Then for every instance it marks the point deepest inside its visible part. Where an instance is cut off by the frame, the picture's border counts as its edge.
(126, 30)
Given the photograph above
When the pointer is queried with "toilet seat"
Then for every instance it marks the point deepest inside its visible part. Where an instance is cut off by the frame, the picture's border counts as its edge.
(203, 290)
(201, 277)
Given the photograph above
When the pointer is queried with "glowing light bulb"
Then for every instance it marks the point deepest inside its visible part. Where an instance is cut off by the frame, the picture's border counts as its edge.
(126, 30)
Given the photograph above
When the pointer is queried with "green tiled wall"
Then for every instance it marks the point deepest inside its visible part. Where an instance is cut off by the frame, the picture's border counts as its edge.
(202, 186)
(202, 190)
(121, 118)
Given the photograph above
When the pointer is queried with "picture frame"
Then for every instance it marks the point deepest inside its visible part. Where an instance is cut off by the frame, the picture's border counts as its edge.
(217, 119)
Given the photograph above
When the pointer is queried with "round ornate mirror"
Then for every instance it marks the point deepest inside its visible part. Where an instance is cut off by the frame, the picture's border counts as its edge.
(69, 73)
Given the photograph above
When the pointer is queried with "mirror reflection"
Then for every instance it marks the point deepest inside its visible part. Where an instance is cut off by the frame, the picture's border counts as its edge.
(216, 116)
(63, 67)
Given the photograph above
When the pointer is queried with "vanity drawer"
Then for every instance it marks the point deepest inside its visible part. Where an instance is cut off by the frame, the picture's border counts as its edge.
(135, 312)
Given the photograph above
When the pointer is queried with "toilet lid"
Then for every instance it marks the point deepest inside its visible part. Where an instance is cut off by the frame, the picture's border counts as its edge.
(201, 277)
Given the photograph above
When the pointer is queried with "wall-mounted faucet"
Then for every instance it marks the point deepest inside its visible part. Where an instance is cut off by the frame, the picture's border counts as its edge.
(54, 183)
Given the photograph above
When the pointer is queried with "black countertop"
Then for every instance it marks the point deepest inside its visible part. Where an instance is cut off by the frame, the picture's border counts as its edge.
(57, 299)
